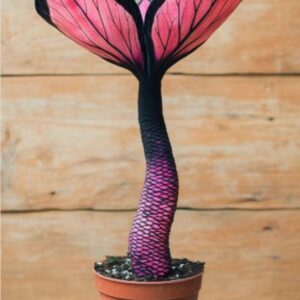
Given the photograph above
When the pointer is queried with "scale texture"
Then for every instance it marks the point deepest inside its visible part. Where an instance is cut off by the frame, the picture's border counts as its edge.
(149, 237)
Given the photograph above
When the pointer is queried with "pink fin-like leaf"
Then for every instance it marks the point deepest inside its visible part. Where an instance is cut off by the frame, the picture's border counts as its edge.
(102, 26)
(181, 26)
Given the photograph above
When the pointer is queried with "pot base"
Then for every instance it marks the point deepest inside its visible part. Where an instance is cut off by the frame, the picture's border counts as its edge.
(115, 289)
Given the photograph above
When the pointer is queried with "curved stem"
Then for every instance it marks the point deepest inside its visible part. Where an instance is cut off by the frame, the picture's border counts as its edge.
(149, 237)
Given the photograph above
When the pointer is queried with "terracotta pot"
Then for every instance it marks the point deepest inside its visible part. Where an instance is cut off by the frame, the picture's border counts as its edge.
(115, 289)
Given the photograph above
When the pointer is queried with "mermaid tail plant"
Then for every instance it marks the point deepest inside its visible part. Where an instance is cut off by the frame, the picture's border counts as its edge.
(146, 37)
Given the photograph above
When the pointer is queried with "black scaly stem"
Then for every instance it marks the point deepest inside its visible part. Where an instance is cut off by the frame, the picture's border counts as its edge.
(149, 237)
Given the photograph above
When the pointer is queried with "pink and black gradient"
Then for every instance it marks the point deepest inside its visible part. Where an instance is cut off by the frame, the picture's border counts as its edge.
(146, 37)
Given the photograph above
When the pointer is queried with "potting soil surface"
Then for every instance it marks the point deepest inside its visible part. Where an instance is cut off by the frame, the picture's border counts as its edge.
(119, 267)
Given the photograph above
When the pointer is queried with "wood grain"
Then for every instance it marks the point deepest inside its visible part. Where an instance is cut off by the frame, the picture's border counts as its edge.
(261, 37)
(73, 142)
(248, 255)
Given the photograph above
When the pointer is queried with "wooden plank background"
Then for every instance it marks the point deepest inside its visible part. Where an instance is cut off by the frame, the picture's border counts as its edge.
(77, 137)
(261, 37)
(248, 255)
(73, 162)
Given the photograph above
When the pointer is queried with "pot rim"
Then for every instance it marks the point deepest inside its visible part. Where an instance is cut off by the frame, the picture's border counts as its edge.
(165, 282)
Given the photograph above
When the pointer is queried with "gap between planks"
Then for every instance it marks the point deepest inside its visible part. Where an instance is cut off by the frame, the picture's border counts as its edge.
(28, 211)
(168, 74)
